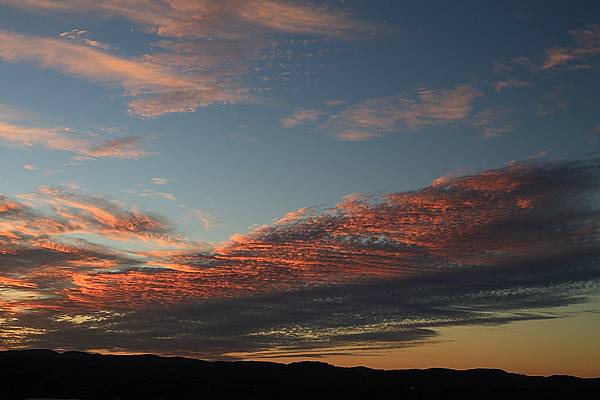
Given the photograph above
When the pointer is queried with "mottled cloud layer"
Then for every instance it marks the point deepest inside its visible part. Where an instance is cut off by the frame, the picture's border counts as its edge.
(370, 272)
(205, 48)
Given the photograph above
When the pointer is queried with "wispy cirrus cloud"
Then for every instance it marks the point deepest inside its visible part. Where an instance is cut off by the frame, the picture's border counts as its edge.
(402, 114)
(551, 103)
(201, 18)
(587, 46)
(83, 37)
(301, 116)
(157, 195)
(510, 84)
(206, 47)
(159, 181)
(147, 83)
(581, 55)
(493, 122)
(82, 145)
(494, 247)
(207, 219)
(396, 114)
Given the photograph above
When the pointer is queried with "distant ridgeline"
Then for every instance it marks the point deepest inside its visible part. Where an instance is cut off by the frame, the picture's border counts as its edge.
(46, 374)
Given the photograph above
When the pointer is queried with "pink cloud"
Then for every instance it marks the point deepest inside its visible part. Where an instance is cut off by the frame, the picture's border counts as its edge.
(500, 241)
(399, 114)
(300, 117)
(65, 139)
(207, 48)
(587, 45)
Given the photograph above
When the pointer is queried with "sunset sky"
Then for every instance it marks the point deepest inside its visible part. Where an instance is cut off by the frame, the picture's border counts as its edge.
(385, 183)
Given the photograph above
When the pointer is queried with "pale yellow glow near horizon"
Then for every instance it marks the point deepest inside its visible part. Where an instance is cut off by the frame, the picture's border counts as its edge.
(563, 346)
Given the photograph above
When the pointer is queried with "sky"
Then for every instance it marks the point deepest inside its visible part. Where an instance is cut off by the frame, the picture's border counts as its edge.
(385, 183)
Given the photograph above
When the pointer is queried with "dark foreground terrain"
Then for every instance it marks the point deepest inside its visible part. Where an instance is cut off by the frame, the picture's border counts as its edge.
(47, 374)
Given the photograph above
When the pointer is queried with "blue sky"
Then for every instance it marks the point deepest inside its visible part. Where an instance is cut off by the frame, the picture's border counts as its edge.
(238, 162)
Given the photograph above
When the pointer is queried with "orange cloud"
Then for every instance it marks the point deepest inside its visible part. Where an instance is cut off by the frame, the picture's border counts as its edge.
(149, 84)
(187, 72)
(64, 139)
(73, 213)
(198, 18)
(88, 63)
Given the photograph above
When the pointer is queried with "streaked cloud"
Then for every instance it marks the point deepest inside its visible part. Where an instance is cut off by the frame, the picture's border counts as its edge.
(159, 181)
(300, 117)
(369, 272)
(550, 103)
(206, 47)
(581, 55)
(82, 145)
(157, 195)
(202, 18)
(83, 37)
(401, 113)
(88, 63)
(149, 84)
(493, 122)
(335, 102)
(208, 220)
(587, 45)
(516, 64)
(510, 84)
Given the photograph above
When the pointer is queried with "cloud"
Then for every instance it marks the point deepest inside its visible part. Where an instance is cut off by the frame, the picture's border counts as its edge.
(520, 63)
(578, 56)
(157, 195)
(510, 84)
(84, 146)
(206, 18)
(148, 83)
(493, 122)
(400, 114)
(334, 102)
(83, 37)
(45, 254)
(88, 63)
(300, 117)
(295, 18)
(10, 113)
(71, 212)
(159, 181)
(551, 103)
(370, 272)
(127, 147)
(208, 220)
(587, 46)
(206, 47)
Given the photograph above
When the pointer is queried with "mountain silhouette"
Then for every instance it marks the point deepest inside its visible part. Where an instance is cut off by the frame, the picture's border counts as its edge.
(29, 374)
